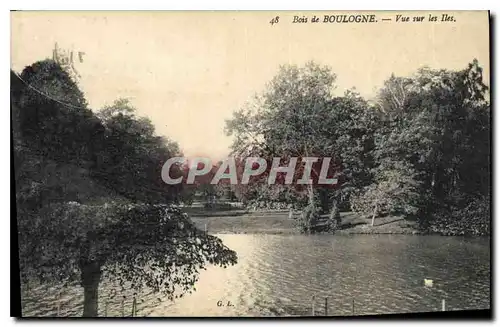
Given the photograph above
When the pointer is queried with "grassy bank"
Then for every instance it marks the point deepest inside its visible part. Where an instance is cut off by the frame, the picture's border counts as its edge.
(277, 222)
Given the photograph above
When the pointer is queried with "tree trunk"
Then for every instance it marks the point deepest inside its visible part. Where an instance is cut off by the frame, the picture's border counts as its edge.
(335, 213)
(374, 214)
(334, 219)
(324, 201)
(91, 275)
(311, 194)
(312, 216)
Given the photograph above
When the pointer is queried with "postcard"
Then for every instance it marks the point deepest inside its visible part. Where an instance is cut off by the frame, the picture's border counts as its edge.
(251, 163)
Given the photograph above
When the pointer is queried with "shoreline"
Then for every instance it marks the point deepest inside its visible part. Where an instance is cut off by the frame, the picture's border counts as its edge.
(278, 223)
(341, 233)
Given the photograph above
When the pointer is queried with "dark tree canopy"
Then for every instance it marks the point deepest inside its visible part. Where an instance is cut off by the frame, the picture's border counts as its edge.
(150, 246)
(89, 195)
(424, 143)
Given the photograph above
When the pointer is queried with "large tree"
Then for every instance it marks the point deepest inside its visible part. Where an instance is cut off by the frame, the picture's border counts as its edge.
(298, 115)
(51, 108)
(438, 123)
(76, 223)
(150, 246)
(132, 156)
(283, 121)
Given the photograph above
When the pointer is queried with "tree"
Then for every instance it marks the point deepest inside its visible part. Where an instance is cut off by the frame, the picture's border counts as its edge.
(132, 156)
(394, 191)
(52, 108)
(156, 246)
(438, 121)
(455, 116)
(284, 121)
(60, 152)
(351, 125)
(55, 138)
(298, 116)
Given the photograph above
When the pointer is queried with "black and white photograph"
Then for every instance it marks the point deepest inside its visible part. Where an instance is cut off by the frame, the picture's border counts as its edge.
(251, 164)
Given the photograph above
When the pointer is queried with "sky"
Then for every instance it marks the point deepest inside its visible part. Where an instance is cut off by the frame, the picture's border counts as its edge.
(188, 71)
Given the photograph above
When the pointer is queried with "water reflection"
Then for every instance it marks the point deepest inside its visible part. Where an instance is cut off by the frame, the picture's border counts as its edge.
(278, 275)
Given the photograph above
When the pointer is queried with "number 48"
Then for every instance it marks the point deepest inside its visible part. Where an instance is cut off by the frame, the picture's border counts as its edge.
(275, 20)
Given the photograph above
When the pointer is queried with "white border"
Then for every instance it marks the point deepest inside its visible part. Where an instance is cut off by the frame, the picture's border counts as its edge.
(252, 5)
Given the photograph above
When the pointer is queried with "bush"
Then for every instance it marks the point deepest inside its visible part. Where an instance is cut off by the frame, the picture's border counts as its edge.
(308, 218)
(218, 206)
(393, 192)
(473, 219)
(267, 205)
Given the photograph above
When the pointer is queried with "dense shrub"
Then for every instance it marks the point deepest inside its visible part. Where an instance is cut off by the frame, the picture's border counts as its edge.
(473, 219)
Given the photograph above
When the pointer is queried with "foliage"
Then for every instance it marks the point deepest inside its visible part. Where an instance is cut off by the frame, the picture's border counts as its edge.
(393, 192)
(298, 115)
(308, 218)
(284, 120)
(423, 144)
(438, 121)
(154, 246)
(422, 149)
(54, 121)
(65, 153)
(132, 156)
(473, 220)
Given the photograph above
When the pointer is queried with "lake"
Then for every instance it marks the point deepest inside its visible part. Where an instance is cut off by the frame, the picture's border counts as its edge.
(278, 275)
